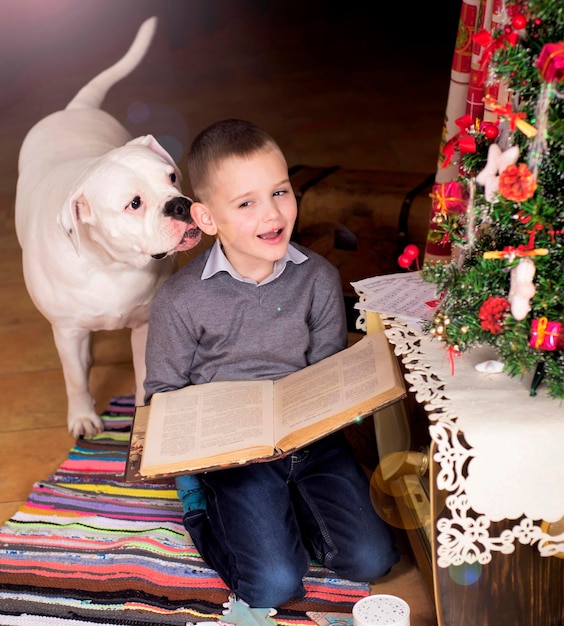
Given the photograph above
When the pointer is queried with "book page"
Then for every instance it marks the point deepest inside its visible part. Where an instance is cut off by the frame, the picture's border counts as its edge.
(341, 382)
(208, 420)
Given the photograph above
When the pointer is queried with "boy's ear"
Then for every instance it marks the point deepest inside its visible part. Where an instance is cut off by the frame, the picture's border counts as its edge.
(202, 218)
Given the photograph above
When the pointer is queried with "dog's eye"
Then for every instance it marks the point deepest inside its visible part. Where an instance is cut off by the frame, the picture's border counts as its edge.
(173, 177)
(135, 203)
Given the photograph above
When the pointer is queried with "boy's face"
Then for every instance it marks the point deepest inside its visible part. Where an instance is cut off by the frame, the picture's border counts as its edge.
(252, 209)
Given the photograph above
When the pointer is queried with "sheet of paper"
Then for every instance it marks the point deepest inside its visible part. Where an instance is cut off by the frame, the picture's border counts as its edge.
(405, 295)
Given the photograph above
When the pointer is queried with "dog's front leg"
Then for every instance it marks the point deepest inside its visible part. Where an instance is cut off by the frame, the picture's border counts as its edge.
(73, 346)
(138, 345)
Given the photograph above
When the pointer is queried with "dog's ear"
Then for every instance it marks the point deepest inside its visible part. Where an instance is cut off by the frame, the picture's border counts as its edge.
(150, 142)
(75, 209)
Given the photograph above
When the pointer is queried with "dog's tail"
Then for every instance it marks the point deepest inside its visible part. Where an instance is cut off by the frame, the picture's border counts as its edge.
(92, 95)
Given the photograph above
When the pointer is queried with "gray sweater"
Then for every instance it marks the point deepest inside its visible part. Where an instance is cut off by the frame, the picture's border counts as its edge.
(221, 328)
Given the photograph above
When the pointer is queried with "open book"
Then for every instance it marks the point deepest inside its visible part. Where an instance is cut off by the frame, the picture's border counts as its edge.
(221, 424)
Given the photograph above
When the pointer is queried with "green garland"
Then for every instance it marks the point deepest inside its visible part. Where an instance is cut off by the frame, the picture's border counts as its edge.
(475, 290)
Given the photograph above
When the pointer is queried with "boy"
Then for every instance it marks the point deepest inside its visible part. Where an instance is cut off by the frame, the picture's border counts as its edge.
(255, 306)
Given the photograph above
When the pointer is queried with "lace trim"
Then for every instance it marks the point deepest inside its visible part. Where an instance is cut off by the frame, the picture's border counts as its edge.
(464, 537)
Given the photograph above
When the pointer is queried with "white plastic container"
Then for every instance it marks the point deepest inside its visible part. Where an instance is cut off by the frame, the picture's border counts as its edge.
(381, 610)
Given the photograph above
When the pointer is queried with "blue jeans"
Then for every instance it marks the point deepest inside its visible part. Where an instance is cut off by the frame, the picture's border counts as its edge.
(265, 521)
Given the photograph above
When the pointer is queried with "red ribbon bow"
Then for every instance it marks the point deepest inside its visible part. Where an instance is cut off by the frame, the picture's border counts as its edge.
(465, 142)
(490, 44)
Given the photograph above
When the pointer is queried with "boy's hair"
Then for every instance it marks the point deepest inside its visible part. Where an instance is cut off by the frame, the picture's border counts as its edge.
(221, 140)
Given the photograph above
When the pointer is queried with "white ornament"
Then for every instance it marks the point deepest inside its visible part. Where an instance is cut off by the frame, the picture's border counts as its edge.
(522, 289)
(497, 162)
(489, 367)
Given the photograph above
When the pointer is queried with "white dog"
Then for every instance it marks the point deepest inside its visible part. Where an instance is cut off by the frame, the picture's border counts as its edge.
(99, 217)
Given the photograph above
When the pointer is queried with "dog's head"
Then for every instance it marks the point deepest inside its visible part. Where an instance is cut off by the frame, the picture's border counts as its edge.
(131, 204)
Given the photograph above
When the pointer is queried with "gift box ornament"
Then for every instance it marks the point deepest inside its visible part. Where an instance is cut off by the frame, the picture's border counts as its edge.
(551, 62)
(448, 199)
(546, 335)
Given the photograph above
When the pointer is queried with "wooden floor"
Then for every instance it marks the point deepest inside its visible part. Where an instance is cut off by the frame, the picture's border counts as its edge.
(335, 87)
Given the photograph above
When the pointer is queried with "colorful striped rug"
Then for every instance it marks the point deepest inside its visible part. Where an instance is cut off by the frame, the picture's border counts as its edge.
(90, 548)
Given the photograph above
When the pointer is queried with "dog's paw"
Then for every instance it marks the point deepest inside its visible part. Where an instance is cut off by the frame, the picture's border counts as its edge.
(85, 426)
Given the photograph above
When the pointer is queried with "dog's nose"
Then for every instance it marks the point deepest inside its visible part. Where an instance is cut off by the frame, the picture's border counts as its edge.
(179, 209)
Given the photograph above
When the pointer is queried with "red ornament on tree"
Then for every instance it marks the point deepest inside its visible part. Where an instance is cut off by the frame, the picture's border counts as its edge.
(491, 131)
(492, 314)
(546, 335)
(517, 183)
(551, 62)
(519, 21)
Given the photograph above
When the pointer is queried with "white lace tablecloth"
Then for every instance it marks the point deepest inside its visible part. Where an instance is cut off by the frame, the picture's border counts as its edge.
(512, 467)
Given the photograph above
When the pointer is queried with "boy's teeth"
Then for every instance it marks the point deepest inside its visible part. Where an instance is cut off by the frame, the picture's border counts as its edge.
(270, 235)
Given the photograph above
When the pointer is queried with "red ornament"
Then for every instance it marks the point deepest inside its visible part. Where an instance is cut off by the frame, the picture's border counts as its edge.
(404, 261)
(519, 21)
(492, 314)
(411, 251)
(517, 183)
(410, 254)
(546, 335)
(491, 131)
(448, 198)
(550, 62)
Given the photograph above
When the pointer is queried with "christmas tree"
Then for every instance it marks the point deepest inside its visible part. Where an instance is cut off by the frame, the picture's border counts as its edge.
(504, 213)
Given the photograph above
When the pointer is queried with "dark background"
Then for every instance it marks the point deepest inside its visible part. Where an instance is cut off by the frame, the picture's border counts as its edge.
(358, 84)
